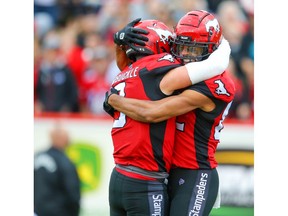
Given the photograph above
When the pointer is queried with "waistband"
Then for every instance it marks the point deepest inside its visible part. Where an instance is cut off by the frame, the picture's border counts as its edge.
(159, 176)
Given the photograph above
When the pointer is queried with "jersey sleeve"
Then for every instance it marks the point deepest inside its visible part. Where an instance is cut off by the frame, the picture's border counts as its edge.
(160, 63)
(220, 87)
(153, 72)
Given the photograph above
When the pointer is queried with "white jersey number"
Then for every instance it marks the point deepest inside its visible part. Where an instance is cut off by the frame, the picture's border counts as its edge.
(121, 121)
(220, 126)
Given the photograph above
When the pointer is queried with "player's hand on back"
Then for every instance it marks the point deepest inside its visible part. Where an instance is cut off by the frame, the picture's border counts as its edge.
(106, 106)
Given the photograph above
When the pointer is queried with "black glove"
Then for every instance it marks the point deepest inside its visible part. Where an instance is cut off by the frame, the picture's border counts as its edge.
(130, 35)
(106, 106)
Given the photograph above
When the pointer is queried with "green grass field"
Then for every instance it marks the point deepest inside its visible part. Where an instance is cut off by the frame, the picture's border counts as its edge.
(232, 211)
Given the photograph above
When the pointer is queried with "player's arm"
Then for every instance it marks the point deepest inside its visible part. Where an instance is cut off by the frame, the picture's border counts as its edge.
(195, 72)
(156, 111)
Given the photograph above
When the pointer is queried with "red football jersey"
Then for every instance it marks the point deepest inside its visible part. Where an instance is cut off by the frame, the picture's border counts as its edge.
(145, 145)
(198, 132)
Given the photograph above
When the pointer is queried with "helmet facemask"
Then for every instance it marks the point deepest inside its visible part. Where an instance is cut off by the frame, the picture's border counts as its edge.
(186, 50)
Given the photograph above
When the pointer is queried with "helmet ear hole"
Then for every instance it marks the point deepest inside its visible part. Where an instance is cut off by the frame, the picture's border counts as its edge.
(211, 49)
(157, 47)
(210, 32)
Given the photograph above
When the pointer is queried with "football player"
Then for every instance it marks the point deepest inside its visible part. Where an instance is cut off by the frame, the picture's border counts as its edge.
(200, 109)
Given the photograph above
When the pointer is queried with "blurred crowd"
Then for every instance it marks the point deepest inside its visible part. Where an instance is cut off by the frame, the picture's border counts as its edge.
(74, 59)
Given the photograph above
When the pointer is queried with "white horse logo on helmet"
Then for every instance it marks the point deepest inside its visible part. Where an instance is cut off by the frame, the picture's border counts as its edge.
(163, 34)
(212, 23)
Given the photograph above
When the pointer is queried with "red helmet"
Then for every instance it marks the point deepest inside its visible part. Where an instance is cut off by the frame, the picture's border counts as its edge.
(199, 32)
(159, 37)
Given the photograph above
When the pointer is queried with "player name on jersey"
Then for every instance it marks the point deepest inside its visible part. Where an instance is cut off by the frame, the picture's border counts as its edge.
(129, 74)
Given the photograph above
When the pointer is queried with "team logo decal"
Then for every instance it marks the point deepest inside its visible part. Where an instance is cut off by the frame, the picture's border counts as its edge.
(163, 34)
(221, 88)
(212, 23)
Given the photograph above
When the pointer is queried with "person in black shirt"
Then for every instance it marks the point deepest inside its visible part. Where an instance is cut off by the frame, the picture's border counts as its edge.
(56, 89)
(56, 182)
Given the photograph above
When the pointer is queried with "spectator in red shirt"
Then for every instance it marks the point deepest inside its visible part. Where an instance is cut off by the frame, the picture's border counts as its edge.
(94, 81)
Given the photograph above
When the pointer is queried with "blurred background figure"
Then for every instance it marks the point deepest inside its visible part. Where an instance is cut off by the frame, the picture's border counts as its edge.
(56, 89)
(56, 182)
(237, 19)
(94, 82)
